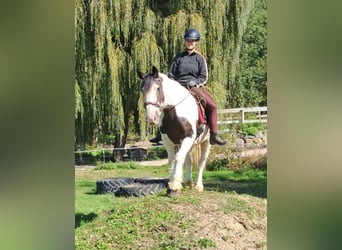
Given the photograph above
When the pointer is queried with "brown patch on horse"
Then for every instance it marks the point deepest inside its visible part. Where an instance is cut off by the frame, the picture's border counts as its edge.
(176, 128)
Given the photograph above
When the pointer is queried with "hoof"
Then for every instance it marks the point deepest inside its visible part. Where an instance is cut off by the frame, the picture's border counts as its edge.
(170, 192)
(198, 189)
(190, 184)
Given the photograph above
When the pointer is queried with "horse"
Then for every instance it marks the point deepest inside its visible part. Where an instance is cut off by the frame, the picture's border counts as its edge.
(174, 109)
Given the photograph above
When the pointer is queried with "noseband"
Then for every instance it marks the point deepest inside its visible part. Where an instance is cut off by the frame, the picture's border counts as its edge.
(152, 103)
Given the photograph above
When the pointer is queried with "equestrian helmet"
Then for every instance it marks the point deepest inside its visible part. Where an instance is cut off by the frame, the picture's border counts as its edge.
(192, 34)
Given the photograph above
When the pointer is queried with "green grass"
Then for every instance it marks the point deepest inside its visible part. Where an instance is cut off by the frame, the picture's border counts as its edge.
(235, 204)
(119, 165)
(159, 221)
(121, 223)
(251, 175)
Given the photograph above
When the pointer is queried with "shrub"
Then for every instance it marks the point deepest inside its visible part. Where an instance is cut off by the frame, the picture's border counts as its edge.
(157, 153)
(118, 165)
(238, 163)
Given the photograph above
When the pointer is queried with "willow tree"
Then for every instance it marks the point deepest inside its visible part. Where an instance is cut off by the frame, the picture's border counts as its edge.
(114, 39)
(252, 76)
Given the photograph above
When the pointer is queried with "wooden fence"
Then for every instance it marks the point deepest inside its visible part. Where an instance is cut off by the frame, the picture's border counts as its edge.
(242, 115)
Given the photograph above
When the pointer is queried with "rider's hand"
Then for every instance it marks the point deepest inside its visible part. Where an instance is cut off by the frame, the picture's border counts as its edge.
(192, 84)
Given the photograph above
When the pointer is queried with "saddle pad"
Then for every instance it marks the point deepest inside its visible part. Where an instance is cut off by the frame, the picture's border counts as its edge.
(201, 115)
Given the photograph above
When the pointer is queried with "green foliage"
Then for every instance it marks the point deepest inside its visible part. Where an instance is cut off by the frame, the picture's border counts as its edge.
(247, 173)
(252, 128)
(156, 153)
(92, 157)
(251, 83)
(230, 160)
(205, 242)
(235, 205)
(120, 165)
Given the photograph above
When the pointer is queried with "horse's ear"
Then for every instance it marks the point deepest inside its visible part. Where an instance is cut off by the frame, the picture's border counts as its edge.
(141, 74)
(154, 72)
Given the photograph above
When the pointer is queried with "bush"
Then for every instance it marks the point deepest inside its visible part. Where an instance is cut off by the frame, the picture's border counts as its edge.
(252, 128)
(91, 158)
(157, 153)
(119, 165)
(238, 163)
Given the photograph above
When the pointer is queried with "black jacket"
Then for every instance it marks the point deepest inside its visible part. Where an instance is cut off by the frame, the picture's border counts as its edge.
(185, 68)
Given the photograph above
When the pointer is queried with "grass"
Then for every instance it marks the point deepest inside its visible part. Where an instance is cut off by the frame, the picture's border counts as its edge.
(159, 221)
(121, 223)
(119, 165)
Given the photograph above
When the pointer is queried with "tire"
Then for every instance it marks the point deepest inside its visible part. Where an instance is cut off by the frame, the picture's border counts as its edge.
(140, 189)
(112, 185)
(152, 180)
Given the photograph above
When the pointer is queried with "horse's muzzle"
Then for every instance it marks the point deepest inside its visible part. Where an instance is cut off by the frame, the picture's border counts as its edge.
(152, 119)
(152, 115)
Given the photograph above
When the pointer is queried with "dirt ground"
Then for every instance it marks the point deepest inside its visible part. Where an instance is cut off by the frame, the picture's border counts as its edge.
(235, 230)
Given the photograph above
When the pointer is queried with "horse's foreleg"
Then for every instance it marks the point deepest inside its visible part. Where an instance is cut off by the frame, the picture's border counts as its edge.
(176, 177)
(205, 149)
(175, 182)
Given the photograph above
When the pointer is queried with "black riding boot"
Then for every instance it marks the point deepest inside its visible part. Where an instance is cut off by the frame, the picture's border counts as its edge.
(157, 138)
(214, 139)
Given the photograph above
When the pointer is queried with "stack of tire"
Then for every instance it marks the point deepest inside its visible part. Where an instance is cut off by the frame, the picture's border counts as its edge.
(125, 186)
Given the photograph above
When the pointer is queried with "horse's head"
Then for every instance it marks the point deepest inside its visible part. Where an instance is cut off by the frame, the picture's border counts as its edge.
(152, 89)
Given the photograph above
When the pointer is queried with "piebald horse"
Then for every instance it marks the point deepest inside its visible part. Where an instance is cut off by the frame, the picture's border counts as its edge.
(175, 110)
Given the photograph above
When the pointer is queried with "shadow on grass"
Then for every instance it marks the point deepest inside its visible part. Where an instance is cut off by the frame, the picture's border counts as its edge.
(93, 192)
(258, 188)
(242, 182)
(81, 218)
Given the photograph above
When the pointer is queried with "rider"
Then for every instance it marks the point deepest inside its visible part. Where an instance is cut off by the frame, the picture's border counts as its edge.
(189, 68)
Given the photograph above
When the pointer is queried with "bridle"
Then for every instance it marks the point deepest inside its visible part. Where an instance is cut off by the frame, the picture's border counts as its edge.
(156, 104)
(152, 103)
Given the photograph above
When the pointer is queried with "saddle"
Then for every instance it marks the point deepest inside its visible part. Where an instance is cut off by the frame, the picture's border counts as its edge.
(201, 104)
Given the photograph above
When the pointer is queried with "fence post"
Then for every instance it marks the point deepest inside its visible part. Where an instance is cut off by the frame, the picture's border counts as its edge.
(242, 116)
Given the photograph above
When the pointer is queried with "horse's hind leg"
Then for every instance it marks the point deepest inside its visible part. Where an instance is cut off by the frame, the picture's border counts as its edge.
(170, 148)
(205, 149)
(188, 164)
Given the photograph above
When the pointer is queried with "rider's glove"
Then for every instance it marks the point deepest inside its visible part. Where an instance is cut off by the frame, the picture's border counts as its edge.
(192, 84)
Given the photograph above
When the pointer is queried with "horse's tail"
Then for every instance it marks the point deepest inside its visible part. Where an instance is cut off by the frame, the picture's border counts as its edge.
(195, 155)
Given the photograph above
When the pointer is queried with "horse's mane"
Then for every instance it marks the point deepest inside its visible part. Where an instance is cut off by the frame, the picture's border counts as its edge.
(165, 77)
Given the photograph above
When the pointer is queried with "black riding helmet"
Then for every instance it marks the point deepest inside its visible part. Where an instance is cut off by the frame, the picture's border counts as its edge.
(192, 34)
